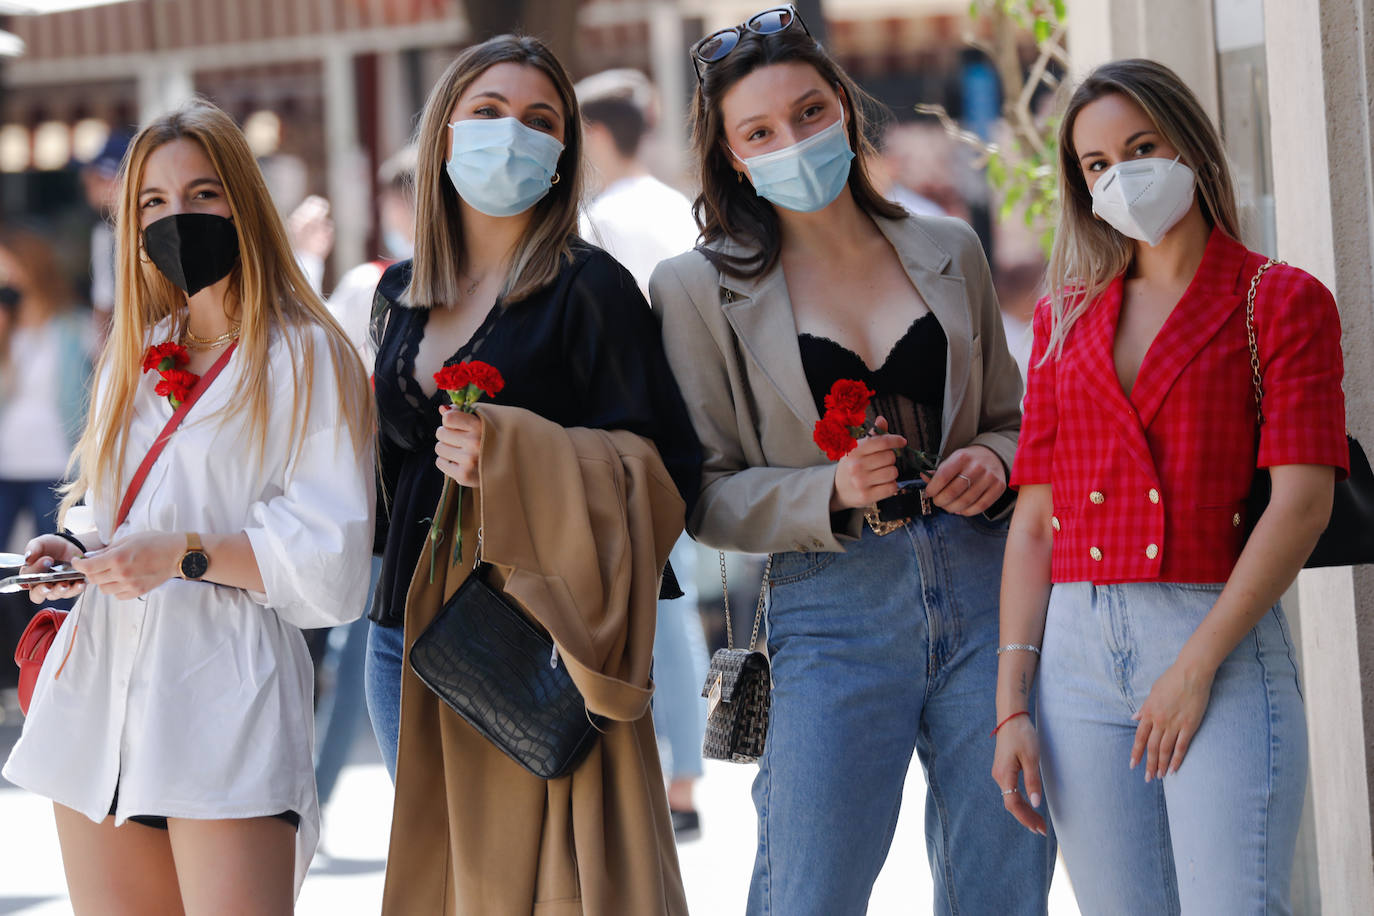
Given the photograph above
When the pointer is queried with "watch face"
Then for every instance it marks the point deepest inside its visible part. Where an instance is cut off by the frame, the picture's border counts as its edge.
(194, 564)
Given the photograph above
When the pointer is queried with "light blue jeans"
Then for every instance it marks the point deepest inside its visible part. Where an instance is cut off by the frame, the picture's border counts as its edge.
(680, 665)
(382, 674)
(1218, 836)
(887, 648)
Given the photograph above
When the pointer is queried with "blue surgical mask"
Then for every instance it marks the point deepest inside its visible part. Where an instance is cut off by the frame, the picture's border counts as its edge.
(500, 166)
(805, 176)
(397, 244)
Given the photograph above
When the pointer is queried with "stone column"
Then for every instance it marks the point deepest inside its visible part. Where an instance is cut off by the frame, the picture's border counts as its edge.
(1320, 59)
(1177, 33)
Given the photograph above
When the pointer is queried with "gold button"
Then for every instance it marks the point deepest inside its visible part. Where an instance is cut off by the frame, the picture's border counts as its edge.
(1154, 496)
(1152, 551)
(1054, 522)
(1095, 553)
(1235, 520)
(1096, 498)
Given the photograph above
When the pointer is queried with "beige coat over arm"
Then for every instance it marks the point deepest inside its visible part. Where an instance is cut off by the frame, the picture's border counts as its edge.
(732, 344)
(577, 524)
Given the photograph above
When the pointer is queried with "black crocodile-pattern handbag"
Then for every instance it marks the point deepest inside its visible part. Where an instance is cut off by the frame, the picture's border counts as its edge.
(494, 667)
(738, 688)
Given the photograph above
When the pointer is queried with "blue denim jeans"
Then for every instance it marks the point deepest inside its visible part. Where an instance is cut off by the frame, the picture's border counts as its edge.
(382, 672)
(1218, 836)
(887, 648)
(339, 712)
(37, 498)
(680, 665)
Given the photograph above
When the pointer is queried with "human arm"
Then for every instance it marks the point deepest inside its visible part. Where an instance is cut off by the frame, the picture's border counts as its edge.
(135, 565)
(1024, 599)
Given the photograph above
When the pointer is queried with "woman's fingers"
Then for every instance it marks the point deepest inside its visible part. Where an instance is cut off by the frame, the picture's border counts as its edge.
(1180, 748)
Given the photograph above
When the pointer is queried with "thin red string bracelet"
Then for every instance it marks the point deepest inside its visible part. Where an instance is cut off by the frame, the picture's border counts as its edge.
(1006, 720)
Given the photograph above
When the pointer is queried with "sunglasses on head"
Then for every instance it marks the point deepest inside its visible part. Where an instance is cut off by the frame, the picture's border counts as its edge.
(718, 45)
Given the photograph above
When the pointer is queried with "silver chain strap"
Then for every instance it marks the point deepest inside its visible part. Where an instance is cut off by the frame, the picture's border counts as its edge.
(758, 612)
(1250, 334)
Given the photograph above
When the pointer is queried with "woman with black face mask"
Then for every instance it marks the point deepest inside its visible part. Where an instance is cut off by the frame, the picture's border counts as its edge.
(223, 501)
(499, 276)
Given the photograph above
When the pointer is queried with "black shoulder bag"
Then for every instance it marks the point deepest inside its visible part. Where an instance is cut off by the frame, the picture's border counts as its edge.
(500, 671)
(738, 687)
(1349, 537)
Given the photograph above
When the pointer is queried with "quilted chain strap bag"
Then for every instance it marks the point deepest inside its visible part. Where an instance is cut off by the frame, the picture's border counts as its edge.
(738, 687)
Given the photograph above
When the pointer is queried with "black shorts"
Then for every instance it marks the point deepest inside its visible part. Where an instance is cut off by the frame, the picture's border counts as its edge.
(160, 823)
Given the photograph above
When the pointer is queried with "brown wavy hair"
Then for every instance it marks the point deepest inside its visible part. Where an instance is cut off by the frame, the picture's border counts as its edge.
(729, 209)
(440, 255)
(1088, 253)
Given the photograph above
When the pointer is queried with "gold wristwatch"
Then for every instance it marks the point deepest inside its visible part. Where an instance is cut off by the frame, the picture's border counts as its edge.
(194, 562)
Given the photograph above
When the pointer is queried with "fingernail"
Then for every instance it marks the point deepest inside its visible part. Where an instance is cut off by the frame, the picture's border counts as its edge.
(1035, 799)
(1042, 832)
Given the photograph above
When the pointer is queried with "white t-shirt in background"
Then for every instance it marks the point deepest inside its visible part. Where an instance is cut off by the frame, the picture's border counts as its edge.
(640, 221)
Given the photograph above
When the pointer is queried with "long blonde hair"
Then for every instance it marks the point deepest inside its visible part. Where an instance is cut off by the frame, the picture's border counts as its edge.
(266, 287)
(440, 257)
(1088, 253)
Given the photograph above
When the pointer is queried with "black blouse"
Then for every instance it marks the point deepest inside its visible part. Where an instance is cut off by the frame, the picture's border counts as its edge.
(583, 351)
(909, 385)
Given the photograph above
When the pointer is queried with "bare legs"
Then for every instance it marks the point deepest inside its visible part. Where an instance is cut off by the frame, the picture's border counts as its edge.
(200, 868)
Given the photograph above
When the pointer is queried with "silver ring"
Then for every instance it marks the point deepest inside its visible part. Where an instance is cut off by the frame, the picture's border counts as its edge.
(1006, 792)
(967, 480)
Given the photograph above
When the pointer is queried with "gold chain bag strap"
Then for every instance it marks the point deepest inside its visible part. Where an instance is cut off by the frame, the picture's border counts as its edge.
(738, 687)
(1349, 535)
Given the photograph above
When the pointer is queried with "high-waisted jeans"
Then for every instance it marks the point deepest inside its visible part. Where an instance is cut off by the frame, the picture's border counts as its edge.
(887, 648)
(1218, 836)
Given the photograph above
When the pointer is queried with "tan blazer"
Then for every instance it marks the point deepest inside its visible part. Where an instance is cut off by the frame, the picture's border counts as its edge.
(732, 344)
(577, 523)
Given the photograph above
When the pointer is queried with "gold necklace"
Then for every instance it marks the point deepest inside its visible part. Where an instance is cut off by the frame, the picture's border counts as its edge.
(195, 342)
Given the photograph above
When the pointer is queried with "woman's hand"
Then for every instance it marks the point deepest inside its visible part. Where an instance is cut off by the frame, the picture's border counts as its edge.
(135, 565)
(1170, 718)
(968, 481)
(869, 472)
(1017, 755)
(458, 442)
(43, 553)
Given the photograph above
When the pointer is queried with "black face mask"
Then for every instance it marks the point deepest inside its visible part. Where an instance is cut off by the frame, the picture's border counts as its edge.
(193, 250)
(9, 297)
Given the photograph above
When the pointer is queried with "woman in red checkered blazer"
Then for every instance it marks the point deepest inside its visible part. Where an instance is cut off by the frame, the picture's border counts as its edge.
(1128, 580)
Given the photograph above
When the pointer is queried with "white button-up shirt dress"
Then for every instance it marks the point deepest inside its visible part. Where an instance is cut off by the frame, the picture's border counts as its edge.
(196, 700)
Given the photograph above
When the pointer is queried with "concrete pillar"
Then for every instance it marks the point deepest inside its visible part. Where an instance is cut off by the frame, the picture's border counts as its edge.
(670, 74)
(1177, 33)
(162, 86)
(349, 184)
(1320, 60)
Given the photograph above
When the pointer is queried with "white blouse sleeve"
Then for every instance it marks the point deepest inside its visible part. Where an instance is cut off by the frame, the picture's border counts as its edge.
(312, 539)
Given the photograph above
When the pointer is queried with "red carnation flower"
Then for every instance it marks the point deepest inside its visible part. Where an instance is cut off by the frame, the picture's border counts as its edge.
(855, 419)
(833, 436)
(465, 383)
(850, 396)
(175, 385)
(170, 350)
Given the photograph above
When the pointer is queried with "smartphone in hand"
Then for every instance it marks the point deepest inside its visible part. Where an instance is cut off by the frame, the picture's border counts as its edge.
(25, 581)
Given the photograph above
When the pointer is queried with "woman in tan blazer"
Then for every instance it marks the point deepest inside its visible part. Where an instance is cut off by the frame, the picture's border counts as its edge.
(882, 633)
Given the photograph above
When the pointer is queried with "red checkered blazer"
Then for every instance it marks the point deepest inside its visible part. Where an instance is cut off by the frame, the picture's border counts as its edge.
(1153, 487)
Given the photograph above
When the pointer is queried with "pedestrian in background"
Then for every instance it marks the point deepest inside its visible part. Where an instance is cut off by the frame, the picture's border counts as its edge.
(641, 221)
(46, 344)
(170, 723)
(499, 275)
(1131, 592)
(882, 604)
(343, 701)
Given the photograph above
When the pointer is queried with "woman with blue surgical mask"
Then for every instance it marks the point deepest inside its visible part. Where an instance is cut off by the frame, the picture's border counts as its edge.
(882, 594)
(498, 276)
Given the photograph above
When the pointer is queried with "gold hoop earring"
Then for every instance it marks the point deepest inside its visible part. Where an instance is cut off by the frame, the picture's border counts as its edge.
(739, 177)
(556, 178)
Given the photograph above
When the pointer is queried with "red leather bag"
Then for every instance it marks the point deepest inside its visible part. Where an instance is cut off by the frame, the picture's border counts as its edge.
(33, 647)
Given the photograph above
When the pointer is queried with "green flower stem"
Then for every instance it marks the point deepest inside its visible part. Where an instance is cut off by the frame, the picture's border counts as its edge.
(464, 399)
(436, 533)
